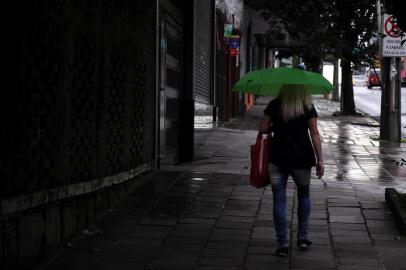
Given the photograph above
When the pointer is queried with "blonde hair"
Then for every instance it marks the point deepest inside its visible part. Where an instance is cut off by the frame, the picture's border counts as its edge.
(295, 100)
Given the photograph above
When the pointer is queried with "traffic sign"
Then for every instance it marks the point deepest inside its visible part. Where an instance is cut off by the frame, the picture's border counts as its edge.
(392, 40)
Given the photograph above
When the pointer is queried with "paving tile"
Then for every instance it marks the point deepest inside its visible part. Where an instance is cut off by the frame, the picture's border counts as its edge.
(388, 237)
(267, 259)
(172, 255)
(226, 253)
(395, 264)
(348, 226)
(264, 223)
(92, 244)
(184, 244)
(218, 268)
(363, 233)
(190, 233)
(75, 260)
(185, 240)
(193, 226)
(226, 218)
(360, 262)
(391, 250)
(312, 254)
(383, 229)
(310, 268)
(229, 238)
(380, 223)
(344, 211)
(316, 263)
(351, 239)
(234, 225)
(319, 240)
(354, 246)
(266, 266)
(358, 267)
(380, 215)
(261, 250)
(262, 242)
(125, 254)
(227, 246)
(219, 261)
(140, 242)
(158, 221)
(195, 220)
(222, 231)
(144, 231)
(170, 265)
(340, 253)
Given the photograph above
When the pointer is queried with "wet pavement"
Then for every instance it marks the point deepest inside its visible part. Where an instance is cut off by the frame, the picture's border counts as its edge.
(204, 215)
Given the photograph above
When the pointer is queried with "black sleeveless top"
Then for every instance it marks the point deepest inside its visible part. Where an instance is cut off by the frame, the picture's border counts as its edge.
(290, 145)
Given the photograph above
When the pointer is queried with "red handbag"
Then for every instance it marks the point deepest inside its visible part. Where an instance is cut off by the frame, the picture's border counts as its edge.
(259, 174)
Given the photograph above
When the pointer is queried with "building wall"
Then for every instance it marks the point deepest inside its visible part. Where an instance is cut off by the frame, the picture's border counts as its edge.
(77, 119)
(227, 73)
(203, 51)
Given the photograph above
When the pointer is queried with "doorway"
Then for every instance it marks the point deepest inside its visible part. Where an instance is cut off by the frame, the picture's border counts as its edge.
(170, 82)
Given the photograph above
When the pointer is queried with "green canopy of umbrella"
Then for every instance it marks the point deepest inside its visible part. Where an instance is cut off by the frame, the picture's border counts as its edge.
(267, 82)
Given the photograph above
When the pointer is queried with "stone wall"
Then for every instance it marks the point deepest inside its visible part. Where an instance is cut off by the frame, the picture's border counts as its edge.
(77, 119)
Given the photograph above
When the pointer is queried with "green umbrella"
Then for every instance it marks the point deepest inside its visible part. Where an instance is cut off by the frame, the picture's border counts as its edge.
(267, 82)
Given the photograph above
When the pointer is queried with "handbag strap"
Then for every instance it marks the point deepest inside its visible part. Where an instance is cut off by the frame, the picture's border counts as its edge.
(259, 136)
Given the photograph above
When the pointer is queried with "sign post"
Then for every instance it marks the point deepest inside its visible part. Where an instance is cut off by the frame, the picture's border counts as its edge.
(393, 46)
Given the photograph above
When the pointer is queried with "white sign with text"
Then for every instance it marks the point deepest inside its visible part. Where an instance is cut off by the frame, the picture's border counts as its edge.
(393, 41)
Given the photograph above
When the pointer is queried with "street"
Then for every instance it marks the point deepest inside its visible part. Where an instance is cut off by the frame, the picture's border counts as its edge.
(368, 101)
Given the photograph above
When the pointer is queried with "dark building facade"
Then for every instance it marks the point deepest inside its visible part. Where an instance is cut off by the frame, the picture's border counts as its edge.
(78, 118)
(99, 93)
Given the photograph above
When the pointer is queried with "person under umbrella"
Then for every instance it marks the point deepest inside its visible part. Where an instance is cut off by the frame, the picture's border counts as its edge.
(290, 118)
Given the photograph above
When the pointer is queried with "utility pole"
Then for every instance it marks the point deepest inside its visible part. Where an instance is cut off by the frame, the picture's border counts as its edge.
(390, 119)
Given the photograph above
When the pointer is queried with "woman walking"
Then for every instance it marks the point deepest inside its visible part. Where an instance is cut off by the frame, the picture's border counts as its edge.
(289, 119)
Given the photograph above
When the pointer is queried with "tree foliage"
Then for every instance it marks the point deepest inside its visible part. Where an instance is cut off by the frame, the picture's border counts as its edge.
(341, 28)
(298, 19)
(344, 29)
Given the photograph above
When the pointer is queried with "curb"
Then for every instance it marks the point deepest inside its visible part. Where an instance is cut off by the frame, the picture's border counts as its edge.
(398, 207)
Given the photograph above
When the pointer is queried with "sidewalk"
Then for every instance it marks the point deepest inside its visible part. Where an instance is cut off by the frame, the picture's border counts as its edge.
(204, 215)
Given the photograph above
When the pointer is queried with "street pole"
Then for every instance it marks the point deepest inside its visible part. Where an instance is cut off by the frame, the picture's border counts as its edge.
(390, 97)
(398, 96)
(390, 108)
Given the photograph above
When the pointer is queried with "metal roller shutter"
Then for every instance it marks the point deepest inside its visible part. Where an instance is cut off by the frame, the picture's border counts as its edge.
(202, 51)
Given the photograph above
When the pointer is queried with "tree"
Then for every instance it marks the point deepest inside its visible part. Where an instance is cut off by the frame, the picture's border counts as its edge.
(353, 24)
(342, 29)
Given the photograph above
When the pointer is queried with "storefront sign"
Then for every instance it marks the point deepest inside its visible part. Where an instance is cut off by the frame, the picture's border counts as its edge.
(228, 30)
(234, 47)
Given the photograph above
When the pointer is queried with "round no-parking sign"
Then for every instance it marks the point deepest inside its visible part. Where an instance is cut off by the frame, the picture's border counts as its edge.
(391, 27)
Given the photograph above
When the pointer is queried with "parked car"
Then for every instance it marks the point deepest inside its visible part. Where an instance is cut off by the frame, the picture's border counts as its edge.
(371, 78)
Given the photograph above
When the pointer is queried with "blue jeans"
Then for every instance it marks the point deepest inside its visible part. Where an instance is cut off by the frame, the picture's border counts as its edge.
(279, 179)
